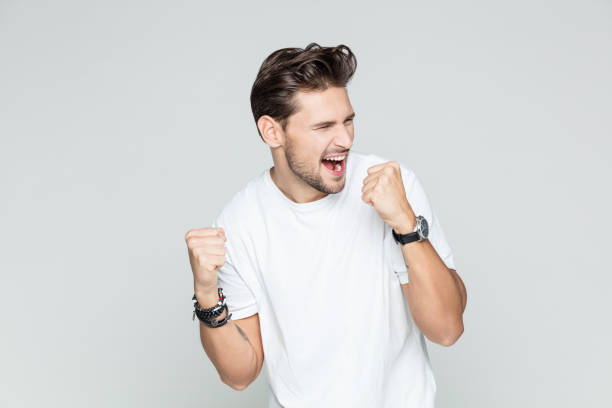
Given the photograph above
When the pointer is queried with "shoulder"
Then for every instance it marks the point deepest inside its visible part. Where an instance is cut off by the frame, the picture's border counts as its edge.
(239, 208)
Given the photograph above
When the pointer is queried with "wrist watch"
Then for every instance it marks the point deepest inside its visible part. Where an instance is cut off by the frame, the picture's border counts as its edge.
(420, 233)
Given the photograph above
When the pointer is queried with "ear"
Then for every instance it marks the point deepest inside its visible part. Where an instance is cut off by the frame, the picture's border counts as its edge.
(270, 130)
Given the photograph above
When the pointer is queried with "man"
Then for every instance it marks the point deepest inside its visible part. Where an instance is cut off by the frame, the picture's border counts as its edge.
(332, 263)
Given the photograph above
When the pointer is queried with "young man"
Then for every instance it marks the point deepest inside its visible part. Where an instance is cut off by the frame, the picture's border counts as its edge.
(332, 263)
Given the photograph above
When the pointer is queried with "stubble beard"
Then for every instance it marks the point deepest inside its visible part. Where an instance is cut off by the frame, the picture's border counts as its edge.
(312, 178)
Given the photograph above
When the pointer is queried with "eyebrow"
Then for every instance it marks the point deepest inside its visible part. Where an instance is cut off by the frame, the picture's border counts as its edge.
(332, 122)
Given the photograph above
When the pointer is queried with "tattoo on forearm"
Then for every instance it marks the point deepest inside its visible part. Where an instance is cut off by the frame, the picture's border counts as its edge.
(242, 333)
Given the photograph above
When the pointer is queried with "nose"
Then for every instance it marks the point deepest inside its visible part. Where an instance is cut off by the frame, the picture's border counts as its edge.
(344, 137)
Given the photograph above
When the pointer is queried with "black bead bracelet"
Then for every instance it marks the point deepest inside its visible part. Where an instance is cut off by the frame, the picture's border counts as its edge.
(208, 315)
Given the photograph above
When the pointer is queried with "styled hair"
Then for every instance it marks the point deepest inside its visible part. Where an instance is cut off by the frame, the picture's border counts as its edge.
(289, 70)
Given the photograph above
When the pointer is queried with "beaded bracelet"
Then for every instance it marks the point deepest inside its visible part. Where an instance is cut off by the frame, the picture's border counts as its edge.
(212, 311)
(207, 315)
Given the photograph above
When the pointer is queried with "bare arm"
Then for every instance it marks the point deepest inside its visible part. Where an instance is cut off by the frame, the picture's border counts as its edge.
(461, 287)
(435, 297)
(235, 349)
(435, 294)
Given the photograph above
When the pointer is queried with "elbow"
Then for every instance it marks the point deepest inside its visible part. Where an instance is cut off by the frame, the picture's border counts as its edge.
(240, 387)
(452, 335)
(240, 384)
(242, 381)
(235, 386)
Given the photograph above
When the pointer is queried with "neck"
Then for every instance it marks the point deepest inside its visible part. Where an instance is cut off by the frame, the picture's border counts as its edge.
(293, 187)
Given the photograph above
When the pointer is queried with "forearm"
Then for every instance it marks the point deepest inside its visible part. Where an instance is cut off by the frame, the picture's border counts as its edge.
(433, 295)
(227, 347)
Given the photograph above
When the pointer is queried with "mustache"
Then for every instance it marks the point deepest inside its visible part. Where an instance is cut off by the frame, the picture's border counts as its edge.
(329, 153)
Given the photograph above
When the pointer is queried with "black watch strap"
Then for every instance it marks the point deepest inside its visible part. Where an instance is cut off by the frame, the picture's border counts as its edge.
(405, 238)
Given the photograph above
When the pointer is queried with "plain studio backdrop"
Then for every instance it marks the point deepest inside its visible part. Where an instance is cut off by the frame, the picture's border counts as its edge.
(123, 124)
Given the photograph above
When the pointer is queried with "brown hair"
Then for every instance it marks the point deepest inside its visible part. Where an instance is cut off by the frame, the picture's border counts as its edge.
(288, 70)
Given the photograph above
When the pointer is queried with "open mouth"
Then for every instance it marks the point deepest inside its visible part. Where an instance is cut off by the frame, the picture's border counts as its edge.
(335, 167)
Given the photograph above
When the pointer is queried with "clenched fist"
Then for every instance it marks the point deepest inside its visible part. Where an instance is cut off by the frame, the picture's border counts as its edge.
(206, 247)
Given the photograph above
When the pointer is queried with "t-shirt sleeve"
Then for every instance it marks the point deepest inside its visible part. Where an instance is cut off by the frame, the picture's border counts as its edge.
(419, 201)
(234, 274)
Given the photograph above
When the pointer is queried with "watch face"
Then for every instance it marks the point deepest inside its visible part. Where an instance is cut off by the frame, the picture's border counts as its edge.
(424, 227)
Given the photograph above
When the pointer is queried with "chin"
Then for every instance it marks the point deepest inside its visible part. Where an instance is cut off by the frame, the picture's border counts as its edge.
(339, 189)
(334, 188)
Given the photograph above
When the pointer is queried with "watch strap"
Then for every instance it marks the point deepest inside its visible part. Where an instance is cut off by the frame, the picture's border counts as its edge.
(405, 238)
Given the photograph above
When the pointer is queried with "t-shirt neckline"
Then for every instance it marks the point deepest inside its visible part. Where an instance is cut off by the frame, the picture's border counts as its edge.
(312, 205)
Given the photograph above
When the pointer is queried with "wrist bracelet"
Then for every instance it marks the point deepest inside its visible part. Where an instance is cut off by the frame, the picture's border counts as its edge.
(215, 323)
(208, 315)
(212, 311)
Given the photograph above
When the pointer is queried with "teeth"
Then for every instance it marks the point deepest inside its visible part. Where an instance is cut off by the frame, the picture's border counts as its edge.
(339, 158)
(338, 167)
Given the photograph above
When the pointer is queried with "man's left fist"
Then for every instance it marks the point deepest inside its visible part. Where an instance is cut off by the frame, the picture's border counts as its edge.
(383, 189)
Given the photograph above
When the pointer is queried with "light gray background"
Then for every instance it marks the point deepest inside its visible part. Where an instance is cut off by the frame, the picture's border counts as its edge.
(124, 124)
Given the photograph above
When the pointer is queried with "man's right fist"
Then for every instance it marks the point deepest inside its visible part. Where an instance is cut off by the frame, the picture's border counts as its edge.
(206, 254)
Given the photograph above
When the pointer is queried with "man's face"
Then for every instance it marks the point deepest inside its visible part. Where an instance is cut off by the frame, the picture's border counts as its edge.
(322, 126)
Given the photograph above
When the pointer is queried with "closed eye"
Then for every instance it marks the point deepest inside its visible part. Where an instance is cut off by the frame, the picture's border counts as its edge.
(326, 126)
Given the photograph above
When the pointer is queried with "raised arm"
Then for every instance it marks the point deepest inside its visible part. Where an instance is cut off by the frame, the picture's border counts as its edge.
(235, 348)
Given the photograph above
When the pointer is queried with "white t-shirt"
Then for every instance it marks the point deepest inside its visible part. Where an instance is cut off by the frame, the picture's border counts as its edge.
(325, 278)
